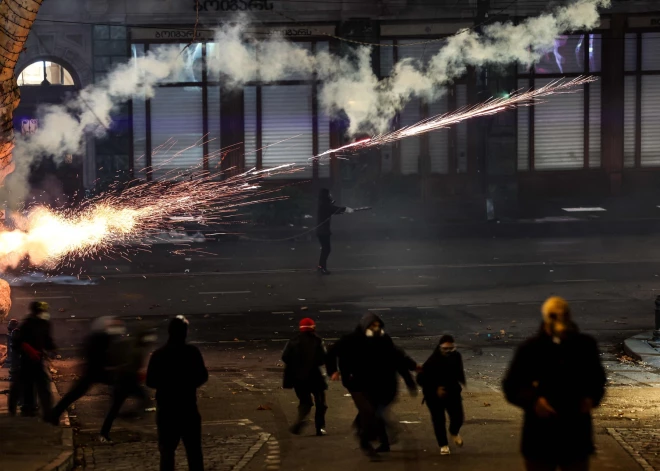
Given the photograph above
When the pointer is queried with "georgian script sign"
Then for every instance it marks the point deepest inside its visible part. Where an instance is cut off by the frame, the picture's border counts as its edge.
(185, 35)
(232, 5)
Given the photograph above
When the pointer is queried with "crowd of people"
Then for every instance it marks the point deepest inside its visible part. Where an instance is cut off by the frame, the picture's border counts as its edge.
(555, 377)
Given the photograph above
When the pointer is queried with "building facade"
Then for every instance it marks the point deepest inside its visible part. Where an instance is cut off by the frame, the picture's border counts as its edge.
(604, 141)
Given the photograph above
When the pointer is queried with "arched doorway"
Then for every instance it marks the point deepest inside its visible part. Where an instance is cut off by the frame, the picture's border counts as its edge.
(54, 180)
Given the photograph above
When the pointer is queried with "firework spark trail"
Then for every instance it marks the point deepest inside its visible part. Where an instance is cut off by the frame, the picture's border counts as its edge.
(487, 108)
(48, 237)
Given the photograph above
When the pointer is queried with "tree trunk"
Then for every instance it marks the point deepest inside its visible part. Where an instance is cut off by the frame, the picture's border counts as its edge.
(16, 19)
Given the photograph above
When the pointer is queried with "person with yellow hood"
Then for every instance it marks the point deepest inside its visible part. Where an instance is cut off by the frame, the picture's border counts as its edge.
(557, 378)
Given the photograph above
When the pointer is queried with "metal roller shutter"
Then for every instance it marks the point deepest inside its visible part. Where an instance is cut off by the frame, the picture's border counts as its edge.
(386, 58)
(287, 114)
(650, 150)
(177, 128)
(594, 125)
(439, 140)
(559, 131)
(250, 126)
(139, 136)
(324, 143)
(523, 131)
(411, 146)
(461, 131)
(629, 107)
(420, 52)
(213, 137)
(650, 51)
(630, 57)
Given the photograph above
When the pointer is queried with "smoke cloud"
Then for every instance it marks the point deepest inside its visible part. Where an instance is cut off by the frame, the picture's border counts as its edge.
(348, 83)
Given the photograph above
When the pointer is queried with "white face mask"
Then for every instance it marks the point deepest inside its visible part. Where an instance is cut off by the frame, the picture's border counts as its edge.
(44, 315)
(371, 333)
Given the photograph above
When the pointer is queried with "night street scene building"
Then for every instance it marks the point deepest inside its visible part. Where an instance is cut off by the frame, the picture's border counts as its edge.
(215, 201)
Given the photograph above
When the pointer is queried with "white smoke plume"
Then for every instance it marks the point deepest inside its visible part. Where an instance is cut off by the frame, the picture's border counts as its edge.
(348, 83)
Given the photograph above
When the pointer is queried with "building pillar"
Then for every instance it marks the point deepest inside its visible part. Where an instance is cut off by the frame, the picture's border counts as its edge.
(612, 104)
(232, 132)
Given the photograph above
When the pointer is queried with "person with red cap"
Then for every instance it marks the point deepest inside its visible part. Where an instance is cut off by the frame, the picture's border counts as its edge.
(303, 357)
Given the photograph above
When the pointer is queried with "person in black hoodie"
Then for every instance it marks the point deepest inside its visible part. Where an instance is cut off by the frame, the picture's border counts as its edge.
(32, 342)
(176, 371)
(326, 210)
(303, 357)
(369, 362)
(557, 378)
(104, 337)
(441, 378)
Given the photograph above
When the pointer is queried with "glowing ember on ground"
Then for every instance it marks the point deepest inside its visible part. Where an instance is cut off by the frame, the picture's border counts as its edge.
(487, 108)
(46, 236)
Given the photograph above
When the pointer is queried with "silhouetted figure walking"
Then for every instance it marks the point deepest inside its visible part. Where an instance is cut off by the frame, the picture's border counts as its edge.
(32, 342)
(175, 371)
(557, 378)
(326, 210)
(441, 378)
(303, 357)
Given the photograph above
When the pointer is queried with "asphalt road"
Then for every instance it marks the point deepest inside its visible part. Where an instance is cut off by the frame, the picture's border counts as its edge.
(471, 288)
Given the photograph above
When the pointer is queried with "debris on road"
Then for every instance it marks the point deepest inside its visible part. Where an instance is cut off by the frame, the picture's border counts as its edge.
(264, 407)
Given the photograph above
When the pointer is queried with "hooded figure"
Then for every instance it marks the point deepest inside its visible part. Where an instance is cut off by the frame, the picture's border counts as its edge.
(326, 210)
(369, 363)
(31, 341)
(176, 371)
(557, 378)
(441, 378)
(101, 358)
(128, 376)
(303, 357)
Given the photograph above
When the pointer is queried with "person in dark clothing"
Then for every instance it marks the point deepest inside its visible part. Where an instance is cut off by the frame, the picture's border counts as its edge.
(326, 210)
(175, 371)
(441, 378)
(32, 342)
(127, 377)
(104, 337)
(557, 378)
(369, 362)
(13, 363)
(303, 357)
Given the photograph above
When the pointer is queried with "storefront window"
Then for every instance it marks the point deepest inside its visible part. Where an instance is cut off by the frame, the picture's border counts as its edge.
(566, 131)
(642, 100)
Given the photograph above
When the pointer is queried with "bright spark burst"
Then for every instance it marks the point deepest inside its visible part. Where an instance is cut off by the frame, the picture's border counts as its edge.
(47, 237)
(487, 108)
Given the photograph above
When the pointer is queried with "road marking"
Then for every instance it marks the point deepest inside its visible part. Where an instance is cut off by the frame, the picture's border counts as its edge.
(379, 309)
(577, 281)
(42, 297)
(583, 210)
(282, 312)
(225, 292)
(331, 310)
(401, 286)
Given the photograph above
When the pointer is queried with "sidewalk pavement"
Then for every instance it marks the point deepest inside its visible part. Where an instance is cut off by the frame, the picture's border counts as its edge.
(29, 444)
(642, 347)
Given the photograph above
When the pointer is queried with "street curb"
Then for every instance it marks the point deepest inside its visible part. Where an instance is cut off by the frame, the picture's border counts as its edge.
(638, 348)
(634, 454)
(65, 460)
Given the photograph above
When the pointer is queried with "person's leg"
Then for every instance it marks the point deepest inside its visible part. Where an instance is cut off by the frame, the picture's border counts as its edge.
(321, 408)
(325, 250)
(15, 393)
(437, 410)
(304, 408)
(42, 383)
(119, 395)
(76, 392)
(381, 426)
(456, 414)
(169, 434)
(28, 404)
(366, 414)
(192, 440)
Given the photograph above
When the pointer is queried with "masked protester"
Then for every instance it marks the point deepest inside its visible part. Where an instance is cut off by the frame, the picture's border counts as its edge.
(441, 378)
(32, 342)
(326, 210)
(303, 357)
(128, 377)
(175, 371)
(368, 364)
(557, 378)
(100, 361)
